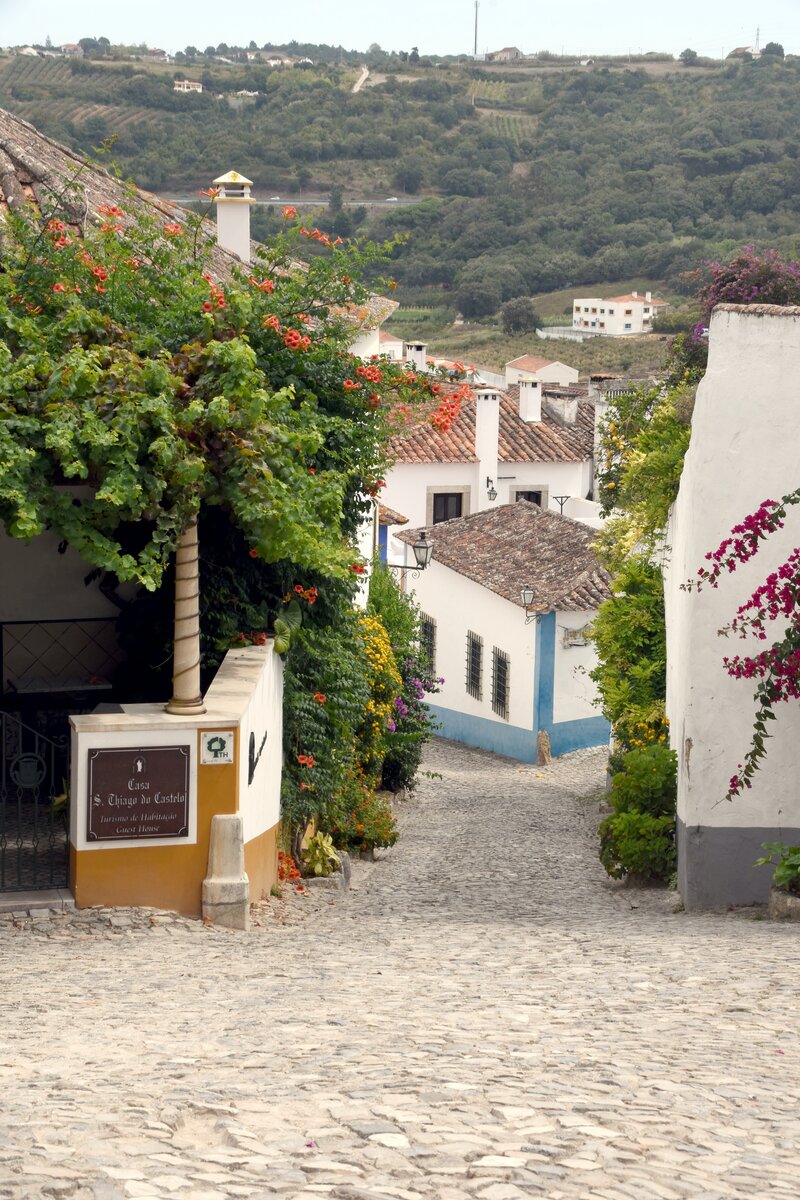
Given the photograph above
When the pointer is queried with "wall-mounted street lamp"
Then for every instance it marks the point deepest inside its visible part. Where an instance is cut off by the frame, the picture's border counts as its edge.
(491, 490)
(423, 549)
(527, 596)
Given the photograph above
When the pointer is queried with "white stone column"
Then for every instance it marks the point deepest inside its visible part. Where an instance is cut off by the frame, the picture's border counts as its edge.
(187, 698)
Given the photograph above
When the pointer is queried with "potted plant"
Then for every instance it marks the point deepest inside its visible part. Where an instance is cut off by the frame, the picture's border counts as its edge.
(784, 895)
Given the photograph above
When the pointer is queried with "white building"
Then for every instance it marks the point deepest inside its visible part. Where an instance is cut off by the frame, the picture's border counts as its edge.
(618, 316)
(506, 681)
(743, 451)
(531, 442)
(187, 85)
(546, 370)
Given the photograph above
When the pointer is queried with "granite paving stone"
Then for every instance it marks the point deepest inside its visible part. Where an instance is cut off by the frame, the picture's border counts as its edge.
(483, 1014)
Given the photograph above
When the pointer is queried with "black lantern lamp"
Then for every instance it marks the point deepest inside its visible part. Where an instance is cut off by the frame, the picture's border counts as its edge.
(491, 490)
(423, 549)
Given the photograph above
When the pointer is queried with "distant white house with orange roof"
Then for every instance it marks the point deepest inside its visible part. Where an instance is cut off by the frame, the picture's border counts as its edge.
(546, 370)
(616, 316)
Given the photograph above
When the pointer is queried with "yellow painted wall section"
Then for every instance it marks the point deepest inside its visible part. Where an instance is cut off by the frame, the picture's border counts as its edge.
(168, 877)
(261, 863)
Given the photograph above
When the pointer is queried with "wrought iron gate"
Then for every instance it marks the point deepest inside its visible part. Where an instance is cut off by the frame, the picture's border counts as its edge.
(34, 771)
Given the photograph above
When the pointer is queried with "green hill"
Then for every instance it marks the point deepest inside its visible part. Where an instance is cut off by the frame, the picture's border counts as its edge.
(529, 181)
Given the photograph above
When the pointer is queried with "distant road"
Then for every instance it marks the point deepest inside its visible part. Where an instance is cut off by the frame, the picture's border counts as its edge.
(362, 79)
(308, 201)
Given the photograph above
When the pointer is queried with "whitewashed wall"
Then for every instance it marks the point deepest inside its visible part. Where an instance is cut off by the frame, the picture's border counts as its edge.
(744, 449)
(366, 344)
(39, 584)
(555, 372)
(574, 693)
(260, 796)
(459, 605)
(407, 484)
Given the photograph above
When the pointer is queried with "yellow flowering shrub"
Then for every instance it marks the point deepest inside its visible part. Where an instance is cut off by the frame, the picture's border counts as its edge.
(385, 685)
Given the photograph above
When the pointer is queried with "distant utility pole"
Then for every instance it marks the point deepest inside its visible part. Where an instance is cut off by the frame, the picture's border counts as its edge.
(475, 50)
(758, 35)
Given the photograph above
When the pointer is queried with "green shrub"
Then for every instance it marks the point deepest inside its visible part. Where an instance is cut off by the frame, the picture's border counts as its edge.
(638, 843)
(368, 821)
(786, 875)
(646, 781)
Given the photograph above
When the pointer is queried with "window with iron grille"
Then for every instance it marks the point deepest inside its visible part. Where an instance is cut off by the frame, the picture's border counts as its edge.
(428, 638)
(474, 665)
(500, 682)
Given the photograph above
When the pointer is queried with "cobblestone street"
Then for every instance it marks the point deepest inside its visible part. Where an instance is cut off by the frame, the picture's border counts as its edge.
(482, 1015)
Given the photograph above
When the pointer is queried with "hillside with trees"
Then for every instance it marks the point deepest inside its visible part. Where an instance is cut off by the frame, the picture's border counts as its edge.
(527, 181)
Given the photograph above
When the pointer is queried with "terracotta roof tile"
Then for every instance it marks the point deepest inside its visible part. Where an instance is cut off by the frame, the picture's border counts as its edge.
(548, 440)
(389, 516)
(515, 545)
(530, 362)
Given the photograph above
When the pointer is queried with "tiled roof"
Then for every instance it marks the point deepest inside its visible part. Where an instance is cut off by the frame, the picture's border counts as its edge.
(519, 441)
(654, 300)
(389, 516)
(390, 338)
(517, 545)
(530, 362)
(34, 167)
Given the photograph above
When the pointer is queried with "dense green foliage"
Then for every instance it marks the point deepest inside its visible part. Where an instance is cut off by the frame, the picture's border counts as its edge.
(548, 179)
(411, 724)
(644, 438)
(158, 395)
(786, 861)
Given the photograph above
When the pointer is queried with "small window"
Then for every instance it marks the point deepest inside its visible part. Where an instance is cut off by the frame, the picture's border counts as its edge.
(474, 665)
(500, 682)
(594, 310)
(533, 497)
(586, 309)
(611, 312)
(446, 506)
(628, 312)
(628, 325)
(602, 310)
(428, 639)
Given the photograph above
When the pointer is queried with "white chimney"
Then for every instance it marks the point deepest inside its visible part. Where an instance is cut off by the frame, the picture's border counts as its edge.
(562, 406)
(648, 295)
(487, 429)
(417, 355)
(530, 400)
(634, 294)
(233, 213)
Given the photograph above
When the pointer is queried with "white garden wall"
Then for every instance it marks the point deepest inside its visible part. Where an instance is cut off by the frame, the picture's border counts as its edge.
(744, 449)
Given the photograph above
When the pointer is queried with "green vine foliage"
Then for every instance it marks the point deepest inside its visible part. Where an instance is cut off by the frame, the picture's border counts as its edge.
(140, 390)
(135, 388)
(411, 723)
(643, 441)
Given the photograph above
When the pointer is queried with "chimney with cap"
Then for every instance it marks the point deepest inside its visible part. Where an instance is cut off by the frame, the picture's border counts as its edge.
(530, 400)
(233, 213)
(562, 406)
(487, 431)
(417, 355)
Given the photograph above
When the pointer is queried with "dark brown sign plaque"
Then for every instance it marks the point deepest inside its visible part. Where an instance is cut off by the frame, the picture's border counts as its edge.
(138, 793)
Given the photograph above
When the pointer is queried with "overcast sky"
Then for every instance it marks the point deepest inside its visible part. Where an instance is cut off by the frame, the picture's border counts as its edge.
(435, 26)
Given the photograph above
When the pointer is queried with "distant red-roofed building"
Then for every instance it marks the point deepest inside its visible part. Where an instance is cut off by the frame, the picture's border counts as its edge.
(617, 316)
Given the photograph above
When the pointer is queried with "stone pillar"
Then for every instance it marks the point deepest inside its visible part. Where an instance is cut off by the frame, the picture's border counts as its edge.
(226, 888)
(186, 696)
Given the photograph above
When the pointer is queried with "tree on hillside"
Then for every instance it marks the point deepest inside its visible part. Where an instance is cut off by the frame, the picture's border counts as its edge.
(519, 315)
(688, 57)
(773, 48)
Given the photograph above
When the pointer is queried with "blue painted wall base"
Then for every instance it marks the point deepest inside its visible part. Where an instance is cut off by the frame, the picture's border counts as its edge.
(513, 741)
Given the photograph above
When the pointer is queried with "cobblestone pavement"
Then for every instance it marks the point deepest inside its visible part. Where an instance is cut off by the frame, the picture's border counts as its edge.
(484, 1015)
